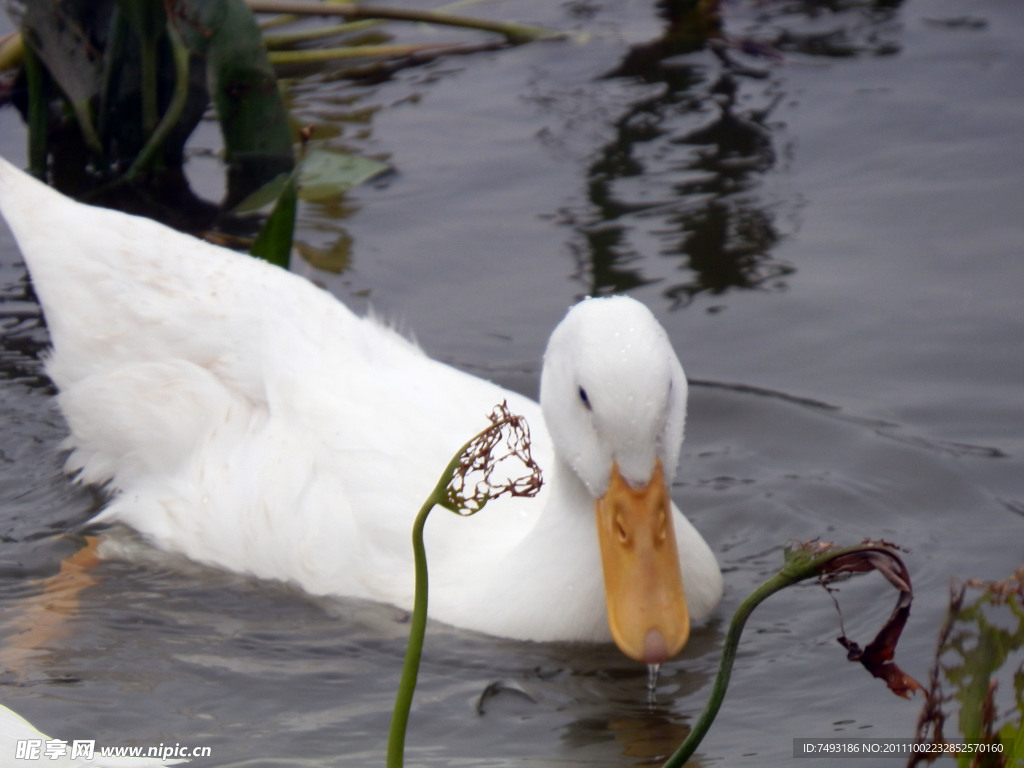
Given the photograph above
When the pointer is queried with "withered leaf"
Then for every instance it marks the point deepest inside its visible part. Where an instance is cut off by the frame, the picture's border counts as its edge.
(877, 657)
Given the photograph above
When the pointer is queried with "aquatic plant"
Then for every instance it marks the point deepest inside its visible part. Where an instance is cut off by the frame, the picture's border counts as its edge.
(826, 562)
(476, 474)
(481, 470)
(978, 644)
(111, 91)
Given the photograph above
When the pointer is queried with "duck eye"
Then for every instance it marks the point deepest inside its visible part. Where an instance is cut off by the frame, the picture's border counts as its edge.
(584, 398)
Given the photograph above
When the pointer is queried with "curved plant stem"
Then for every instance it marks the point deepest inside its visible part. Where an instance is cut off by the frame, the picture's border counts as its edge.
(732, 639)
(414, 650)
(174, 109)
(802, 562)
(506, 439)
(322, 55)
(285, 19)
(514, 32)
(418, 621)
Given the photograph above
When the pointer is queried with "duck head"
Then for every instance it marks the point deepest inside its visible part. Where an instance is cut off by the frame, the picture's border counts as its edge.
(614, 399)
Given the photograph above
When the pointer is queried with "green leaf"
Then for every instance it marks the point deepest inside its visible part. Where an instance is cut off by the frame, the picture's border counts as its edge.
(1013, 737)
(326, 173)
(274, 242)
(981, 649)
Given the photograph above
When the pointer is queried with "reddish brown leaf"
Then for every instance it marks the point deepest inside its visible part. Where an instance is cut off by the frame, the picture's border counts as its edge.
(877, 657)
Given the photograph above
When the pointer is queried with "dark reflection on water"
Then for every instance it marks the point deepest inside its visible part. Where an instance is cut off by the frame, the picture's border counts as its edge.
(24, 335)
(838, 29)
(699, 154)
(701, 149)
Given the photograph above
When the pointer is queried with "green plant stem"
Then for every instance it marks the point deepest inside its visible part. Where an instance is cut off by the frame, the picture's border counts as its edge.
(514, 32)
(323, 55)
(418, 621)
(414, 650)
(174, 109)
(798, 566)
(732, 638)
(38, 137)
(288, 18)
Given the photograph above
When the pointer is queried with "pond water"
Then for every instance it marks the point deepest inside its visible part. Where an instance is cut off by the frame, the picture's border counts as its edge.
(826, 214)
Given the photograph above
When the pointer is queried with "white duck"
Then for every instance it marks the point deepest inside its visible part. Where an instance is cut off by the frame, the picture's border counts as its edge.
(242, 416)
(21, 743)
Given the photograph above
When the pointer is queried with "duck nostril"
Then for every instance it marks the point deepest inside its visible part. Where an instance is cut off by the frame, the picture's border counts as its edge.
(620, 530)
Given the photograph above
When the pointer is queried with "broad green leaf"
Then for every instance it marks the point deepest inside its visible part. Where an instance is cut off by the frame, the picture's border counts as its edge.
(326, 174)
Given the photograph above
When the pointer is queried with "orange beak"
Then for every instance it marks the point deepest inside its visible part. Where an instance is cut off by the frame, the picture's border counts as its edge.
(642, 581)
